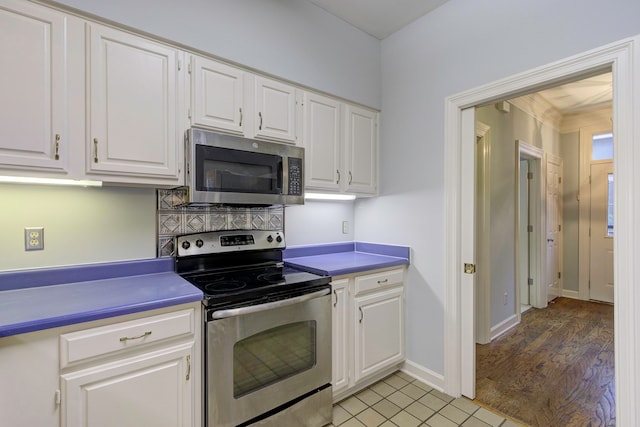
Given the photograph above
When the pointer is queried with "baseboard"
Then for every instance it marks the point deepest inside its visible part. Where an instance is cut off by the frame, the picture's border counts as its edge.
(504, 326)
(423, 374)
(571, 294)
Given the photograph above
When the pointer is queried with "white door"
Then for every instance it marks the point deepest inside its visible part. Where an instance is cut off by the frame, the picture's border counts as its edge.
(33, 123)
(217, 95)
(601, 274)
(133, 123)
(554, 224)
(361, 148)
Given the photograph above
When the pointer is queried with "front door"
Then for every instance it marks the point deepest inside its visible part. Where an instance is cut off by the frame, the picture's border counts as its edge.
(554, 217)
(601, 239)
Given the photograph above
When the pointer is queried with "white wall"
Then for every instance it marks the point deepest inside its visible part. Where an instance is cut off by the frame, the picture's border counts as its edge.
(461, 45)
(291, 39)
(318, 222)
(81, 225)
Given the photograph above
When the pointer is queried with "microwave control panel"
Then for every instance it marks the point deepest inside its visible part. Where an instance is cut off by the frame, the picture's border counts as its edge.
(295, 176)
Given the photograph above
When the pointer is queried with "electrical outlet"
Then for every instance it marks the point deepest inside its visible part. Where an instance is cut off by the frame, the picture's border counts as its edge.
(33, 238)
(345, 227)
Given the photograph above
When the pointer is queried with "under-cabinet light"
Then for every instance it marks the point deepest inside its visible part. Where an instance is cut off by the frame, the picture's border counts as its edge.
(49, 181)
(328, 196)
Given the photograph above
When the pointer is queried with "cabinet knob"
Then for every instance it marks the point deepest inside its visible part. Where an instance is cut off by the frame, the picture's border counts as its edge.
(260, 126)
(338, 172)
(336, 294)
(361, 314)
(350, 178)
(240, 124)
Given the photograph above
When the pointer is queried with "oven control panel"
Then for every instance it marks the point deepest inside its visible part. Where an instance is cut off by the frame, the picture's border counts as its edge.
(214, 242)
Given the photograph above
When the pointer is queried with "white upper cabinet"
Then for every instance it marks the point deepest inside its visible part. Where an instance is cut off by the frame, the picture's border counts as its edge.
(33, 88)
(274, 110)
(322, 142)
(230, 100)
(341, 142)
(217, 97)
(133, 99)
(361, 150)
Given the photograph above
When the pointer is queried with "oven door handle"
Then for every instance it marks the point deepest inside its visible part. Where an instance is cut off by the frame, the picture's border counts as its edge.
(234, 312)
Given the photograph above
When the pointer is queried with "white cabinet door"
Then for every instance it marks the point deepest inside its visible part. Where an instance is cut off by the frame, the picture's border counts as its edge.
(33, 80)
(379, 331)
(133, 96)
(361, 150)
(340, 337)
(217, 98)
(274, 110)
(322, 142)
(150, 390)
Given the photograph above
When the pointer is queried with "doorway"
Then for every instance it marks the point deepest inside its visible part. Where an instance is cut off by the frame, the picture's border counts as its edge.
(460, 233)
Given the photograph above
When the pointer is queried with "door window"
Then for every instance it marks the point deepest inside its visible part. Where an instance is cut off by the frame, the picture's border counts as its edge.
(602, 146)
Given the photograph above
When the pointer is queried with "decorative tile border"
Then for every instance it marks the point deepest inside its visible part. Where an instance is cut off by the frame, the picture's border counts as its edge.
(173, 220)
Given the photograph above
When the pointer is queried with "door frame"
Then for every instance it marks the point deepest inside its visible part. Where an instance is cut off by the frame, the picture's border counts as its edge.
(538, 212)
(623, 59)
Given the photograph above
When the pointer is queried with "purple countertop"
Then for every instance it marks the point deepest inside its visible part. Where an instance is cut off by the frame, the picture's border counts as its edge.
(337, 259)
(33, 300)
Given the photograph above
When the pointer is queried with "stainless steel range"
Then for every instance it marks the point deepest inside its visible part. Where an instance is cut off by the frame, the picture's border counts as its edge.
(267, 330)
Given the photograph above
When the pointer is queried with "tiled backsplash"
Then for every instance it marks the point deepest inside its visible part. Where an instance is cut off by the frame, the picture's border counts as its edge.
(174, 220)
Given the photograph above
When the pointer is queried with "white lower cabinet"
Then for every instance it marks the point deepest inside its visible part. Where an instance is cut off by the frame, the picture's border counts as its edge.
(368, 328)
(148, 390)
(139, 370)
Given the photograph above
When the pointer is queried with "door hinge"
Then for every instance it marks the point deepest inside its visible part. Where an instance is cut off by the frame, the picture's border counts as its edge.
(469, 268)
(589, 179)
(179, 64)
(559, 227)
(559, 180)
(57, 399)
(530, 228)
(589, 231)
(189, 67)
(530, 175)
(530, 281)
(189, 112)
(559, 275)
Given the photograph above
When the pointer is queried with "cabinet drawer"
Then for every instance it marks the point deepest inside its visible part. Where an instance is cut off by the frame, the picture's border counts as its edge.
(105, 340)
(383, 279)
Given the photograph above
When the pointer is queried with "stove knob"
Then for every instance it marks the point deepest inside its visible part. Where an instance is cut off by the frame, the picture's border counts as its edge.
(269, 238)
(279, 239)
(186, 245)
(199, 243)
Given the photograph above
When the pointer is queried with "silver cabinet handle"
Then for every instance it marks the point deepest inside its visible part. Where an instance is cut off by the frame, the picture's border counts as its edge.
(350, 178)
(57, 155)
(338, 172)
(260, 115)
(334, 293)
(380, 282)
(233, 312)
(188, 367)
(95, 144)
(361, 314)
(146, 334)
(240, 124)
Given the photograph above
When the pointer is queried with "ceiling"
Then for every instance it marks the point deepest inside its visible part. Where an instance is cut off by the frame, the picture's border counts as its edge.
(379, 18)
(587, 94)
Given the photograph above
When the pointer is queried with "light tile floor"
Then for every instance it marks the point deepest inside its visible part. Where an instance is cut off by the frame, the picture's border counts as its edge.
(402, 401)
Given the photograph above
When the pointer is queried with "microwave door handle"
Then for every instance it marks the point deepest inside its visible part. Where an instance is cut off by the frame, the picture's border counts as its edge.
(280, 177)
(234, 312)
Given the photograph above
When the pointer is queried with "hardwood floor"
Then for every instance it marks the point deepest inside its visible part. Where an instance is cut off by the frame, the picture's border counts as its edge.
(554, 369)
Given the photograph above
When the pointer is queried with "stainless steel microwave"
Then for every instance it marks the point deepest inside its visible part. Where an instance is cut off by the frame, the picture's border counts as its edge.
(225, 169)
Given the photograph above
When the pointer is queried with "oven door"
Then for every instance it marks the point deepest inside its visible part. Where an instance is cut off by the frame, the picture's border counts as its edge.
(261, 357)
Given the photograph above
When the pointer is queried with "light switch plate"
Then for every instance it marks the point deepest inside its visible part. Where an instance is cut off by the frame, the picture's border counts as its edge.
(34, 238)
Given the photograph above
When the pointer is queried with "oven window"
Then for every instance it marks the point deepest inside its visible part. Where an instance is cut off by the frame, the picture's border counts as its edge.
(273, 355)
